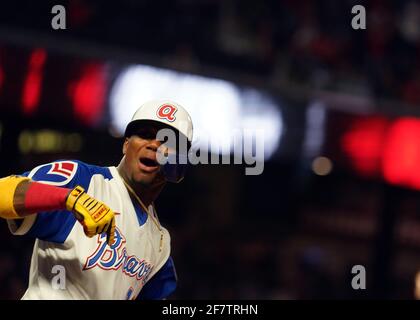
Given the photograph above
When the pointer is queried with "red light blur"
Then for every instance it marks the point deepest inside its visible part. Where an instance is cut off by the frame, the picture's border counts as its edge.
(401, 155)
(33, 81)
(376, 145)
(88, 93)
(79, 13)
(363, 144)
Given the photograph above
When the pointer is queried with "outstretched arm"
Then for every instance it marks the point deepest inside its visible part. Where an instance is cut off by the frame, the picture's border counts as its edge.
(20, 196)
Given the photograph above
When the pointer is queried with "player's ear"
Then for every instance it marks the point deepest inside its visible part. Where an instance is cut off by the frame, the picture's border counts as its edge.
(125, 145)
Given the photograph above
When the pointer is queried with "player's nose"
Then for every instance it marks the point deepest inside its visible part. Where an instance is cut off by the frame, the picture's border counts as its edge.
(153, 145)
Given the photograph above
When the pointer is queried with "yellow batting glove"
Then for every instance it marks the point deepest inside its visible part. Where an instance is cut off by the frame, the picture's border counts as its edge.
(95, 216)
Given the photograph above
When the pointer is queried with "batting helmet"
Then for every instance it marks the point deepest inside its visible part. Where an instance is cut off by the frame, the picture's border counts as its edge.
(172, 115)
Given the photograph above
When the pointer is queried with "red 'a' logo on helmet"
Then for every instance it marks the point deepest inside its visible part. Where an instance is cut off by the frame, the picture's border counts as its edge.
(167, 112)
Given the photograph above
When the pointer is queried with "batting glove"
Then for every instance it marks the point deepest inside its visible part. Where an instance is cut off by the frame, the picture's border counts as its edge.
(95, 216)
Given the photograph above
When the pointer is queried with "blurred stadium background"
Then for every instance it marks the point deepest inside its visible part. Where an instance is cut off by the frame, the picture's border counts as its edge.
(340, 109)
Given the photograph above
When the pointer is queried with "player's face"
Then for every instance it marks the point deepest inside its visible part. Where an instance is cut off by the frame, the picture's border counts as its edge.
(141, 165)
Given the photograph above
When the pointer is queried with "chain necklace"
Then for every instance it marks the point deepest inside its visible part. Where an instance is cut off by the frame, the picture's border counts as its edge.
(152, 216)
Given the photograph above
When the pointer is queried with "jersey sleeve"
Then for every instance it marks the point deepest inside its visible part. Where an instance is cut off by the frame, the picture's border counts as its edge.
(162, 284)
(56, 225)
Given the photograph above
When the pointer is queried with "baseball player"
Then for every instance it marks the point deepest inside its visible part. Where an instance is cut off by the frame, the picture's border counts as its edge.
(99, 223)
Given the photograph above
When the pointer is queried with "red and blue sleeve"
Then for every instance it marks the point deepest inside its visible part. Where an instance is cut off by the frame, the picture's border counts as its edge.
(52, 225)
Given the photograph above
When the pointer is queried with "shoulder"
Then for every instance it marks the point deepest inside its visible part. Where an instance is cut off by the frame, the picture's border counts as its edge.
(67, 173)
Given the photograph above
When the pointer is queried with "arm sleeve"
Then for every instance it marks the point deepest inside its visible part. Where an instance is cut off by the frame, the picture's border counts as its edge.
(162, 284)
(55, 225)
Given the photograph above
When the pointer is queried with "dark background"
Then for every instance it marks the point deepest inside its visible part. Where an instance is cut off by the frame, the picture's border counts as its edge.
(292, 232)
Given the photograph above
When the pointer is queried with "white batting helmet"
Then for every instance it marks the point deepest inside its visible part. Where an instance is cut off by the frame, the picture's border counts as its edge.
(173, 115)
(166, 112)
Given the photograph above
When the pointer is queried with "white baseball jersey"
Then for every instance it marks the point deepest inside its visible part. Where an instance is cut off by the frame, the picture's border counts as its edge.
(92, 269)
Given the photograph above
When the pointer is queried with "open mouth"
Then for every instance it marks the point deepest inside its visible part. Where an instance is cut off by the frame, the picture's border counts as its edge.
(149, 163)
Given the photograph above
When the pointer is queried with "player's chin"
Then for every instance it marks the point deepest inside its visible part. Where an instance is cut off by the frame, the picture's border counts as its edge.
(147, 178)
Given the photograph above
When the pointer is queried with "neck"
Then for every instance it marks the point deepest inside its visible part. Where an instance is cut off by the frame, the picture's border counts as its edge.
(148, 194)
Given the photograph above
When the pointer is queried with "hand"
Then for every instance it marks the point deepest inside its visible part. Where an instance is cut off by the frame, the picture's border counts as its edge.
(95, 216)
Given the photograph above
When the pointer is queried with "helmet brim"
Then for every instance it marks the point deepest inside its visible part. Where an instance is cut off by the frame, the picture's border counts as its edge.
(134, 125)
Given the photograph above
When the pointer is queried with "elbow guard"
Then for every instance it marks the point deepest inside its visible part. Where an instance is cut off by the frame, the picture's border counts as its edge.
(8, 187)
